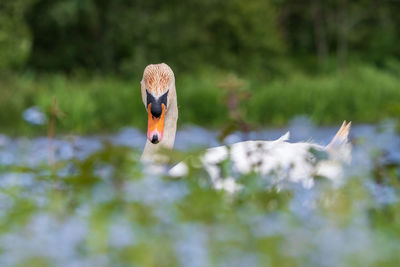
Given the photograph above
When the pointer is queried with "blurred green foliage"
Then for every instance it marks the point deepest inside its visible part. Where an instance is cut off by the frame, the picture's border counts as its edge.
(15, 37)
(123, 36)
(331, 60)
(101, 104)
(76, 213)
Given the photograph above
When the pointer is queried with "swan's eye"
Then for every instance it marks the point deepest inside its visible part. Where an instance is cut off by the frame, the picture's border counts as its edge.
(164, 99)
(150, 98)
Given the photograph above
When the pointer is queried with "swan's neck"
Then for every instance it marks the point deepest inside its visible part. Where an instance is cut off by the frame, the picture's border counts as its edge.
(150, 152)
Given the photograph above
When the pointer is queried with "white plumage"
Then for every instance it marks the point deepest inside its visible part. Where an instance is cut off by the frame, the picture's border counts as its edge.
(279, 159)
(296, 162)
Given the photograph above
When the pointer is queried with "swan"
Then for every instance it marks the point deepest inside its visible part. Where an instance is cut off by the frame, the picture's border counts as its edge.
(159, 98)
(297, 162)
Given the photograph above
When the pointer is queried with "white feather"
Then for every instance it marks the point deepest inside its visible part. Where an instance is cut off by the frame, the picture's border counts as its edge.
(291, 161)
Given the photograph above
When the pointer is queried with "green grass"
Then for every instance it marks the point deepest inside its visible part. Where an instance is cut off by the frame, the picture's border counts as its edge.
(360, 94)
(103, 104)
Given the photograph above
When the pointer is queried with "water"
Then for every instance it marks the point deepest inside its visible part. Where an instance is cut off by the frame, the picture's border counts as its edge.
(37, 151)
(95, 206)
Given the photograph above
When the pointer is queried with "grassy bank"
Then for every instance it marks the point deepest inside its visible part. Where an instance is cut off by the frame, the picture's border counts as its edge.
(102, 104)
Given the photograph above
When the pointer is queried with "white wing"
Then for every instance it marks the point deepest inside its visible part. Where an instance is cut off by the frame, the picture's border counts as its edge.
(296, 162)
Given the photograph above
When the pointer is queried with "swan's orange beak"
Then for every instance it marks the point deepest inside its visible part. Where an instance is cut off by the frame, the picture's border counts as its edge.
(155, 125)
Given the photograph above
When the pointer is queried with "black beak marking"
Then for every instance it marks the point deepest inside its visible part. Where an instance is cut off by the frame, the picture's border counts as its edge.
(156, 108)
(154, 139)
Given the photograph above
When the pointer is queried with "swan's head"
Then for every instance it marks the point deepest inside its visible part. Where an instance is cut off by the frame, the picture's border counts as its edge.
(158, 86)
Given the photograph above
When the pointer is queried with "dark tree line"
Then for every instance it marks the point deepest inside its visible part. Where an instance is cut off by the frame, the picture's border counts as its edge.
(121, 36)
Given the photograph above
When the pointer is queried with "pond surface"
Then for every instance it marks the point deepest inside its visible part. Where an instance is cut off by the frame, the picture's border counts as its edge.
(33, 152)
(95, 206)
